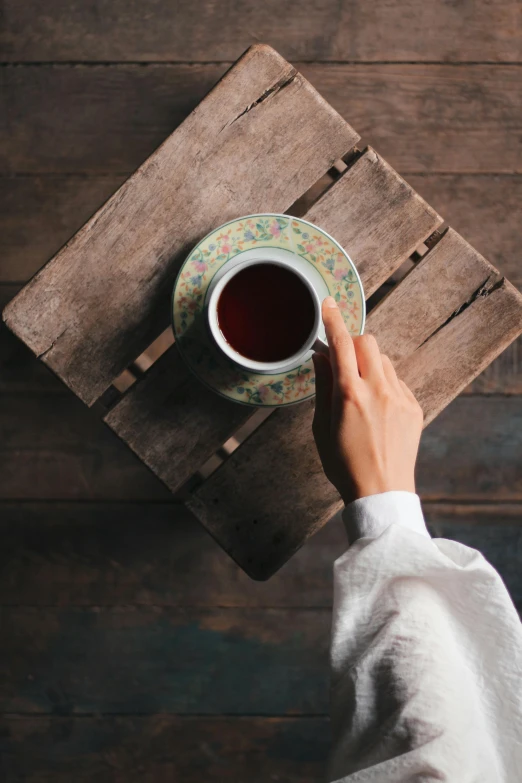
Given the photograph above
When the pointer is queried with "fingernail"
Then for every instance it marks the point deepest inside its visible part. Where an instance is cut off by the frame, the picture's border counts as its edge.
(330, 302)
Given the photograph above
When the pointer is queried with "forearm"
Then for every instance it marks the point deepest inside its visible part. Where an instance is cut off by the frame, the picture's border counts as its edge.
(425, 655)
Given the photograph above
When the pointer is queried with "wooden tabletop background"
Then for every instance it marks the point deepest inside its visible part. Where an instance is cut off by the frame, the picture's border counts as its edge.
(132, 647)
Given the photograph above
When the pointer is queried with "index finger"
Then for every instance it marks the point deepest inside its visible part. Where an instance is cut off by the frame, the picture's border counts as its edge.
(342, 351)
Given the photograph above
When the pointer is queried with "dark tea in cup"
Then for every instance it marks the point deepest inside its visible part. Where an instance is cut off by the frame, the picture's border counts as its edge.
(266, 312)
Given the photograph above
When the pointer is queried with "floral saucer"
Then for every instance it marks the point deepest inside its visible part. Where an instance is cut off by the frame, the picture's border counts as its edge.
(310, 246)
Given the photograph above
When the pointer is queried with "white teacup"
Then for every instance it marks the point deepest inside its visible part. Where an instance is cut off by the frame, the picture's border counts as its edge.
(313, 342)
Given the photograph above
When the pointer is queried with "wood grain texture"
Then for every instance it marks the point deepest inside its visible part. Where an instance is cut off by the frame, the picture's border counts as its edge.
(470, 452)
(52, 447)
(485, 209)
(163, 749)
(329, 30)
(110, 554)
(503, 376)
(443, 366)
(130, 660)
(438, 354)
(452, 119)
(19, 370)
(447, 277)
(262, 510)
(39, 214)
(187, 187)
(156, 554)
(421, 118)
(172, 425)
(376, 216)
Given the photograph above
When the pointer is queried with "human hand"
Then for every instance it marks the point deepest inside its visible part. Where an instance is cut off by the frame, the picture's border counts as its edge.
(367, 423)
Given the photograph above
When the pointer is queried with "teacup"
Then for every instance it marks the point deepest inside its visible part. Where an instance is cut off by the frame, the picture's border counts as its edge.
(264, 314)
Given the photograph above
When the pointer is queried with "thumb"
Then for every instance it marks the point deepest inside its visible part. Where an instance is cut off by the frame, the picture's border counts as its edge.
(323, 398)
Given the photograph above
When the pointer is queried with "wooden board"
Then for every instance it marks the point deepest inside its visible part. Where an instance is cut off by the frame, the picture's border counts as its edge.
(163, 749)
(188, 186)
(130, 660)
(19, 370)
(503, 376)
(439, 285)
(421, 118)
(300, 499)
(39, 214)
(330, 30)
(147, 554)
(443, 365)
(110, 554)
(56, 206)
(174, 429)
(52, 447)
(430, 118)
(483, 208)
(173, 424)
(472, 451)
(376, 216)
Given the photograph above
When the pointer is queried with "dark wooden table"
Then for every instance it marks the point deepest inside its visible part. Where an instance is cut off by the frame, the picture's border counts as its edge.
(262, 140)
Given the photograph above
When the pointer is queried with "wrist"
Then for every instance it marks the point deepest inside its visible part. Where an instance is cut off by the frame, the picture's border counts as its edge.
(377, 486)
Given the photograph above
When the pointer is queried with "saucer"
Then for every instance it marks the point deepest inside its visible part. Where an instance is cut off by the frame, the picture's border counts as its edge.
(265, 236)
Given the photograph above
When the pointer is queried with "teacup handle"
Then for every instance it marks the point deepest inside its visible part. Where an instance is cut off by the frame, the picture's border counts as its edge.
(320, 347)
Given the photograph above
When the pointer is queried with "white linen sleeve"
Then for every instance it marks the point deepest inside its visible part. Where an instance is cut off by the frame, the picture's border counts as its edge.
(426, 658)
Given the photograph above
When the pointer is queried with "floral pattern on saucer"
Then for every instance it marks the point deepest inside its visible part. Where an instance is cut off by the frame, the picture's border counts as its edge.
(215, 250)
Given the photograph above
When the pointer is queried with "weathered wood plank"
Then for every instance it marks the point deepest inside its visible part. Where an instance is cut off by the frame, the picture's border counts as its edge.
(71, 554)
(300, 499)
(483, 208)
(19, 370)
(353, 31)
(503, 376)
(52, 447)
(472, 451)
(163, 749)
(447, 277)
(376, 216)
(173, 428)
(430, 118)
(85, 554)
(131, 660)
(173, 424)
(117, 114)
(188, 186)
(422, 118)
(443, 366)
(39, 214)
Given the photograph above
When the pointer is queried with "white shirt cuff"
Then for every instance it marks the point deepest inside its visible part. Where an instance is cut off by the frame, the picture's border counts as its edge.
(368, 517)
